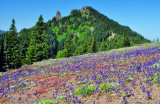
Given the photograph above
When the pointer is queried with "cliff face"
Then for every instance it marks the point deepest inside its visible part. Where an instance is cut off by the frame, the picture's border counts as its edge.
(58, 15)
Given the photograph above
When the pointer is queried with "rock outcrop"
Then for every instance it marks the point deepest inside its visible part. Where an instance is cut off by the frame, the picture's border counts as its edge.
(84, 10)
(58, 15)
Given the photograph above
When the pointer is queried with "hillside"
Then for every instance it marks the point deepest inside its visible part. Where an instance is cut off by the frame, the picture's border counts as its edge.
(2, 31)
(83, 31)
(125, 75)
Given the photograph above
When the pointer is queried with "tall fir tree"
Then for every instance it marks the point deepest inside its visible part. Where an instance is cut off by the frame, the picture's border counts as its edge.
(68, 46)
(12, 47)
(2, 57)
(40, 26)
(94, 49)
(126, 42)
(38, 48)
(52, 43)
(36, 51)
(138, 39)
(102, 47)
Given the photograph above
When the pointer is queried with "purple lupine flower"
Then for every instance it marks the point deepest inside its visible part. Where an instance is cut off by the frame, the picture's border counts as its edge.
(148, 93)
(74, 101)
(79, 102)
(117, 90)
(76, 97)
(124, 99)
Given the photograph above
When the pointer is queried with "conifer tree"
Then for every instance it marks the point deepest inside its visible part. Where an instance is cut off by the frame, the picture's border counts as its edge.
(36, 51)
(52, 43)
(138, 39)
(78, 51)
(40, 26)
(89, 48)
(12, 47)
(94, 44)
(126, 42)
(68, 46)
(102, 47)
(38, 48)
(2, 57)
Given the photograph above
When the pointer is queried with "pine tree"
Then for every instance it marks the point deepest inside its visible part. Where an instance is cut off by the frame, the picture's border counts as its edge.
(36, 51)
(94, 49)
(75, 40)
(85, 45)
(102, 47)
(12, 47)
(68, 46)
(2, 57)
(126, 42)
(52, 43)
(138, 39)
(89, 48)
(78, 51)
(38, 48)
(40, 26)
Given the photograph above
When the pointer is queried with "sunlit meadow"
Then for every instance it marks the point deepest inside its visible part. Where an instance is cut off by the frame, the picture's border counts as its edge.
(126, 75)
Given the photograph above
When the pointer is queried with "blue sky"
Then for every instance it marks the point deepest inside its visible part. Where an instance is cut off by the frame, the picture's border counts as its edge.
(142, 16)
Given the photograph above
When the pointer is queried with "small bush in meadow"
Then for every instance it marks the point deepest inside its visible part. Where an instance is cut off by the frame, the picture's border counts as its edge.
(84, 91)
(46, 102)
(106, 86)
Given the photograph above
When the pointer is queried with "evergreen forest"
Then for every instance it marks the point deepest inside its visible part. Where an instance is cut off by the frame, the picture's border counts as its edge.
(83, 31)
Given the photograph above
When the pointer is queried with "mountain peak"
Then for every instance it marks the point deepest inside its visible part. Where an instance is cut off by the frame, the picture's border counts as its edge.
(1, 31)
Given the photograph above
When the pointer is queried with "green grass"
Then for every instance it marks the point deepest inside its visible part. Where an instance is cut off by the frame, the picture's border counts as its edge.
(84, 91)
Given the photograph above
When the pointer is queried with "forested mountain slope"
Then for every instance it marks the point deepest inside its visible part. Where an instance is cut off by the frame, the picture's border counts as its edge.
(83, 31)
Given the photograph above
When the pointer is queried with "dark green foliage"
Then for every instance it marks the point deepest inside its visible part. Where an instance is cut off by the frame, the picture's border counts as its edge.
(138, 39)
(24, 42)
(40, 26)
(52, 43)
(94, 45)
(68, 46)
(102, 47)
(12, 48)
(126, 42)
(37, 51)
(2, 57)
(38, 48)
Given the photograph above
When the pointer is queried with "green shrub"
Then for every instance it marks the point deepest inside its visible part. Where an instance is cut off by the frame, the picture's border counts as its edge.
(84, 91)
(80, 82)
(46, 102)
(129, 80)
(154, 79)
(106, 86)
